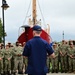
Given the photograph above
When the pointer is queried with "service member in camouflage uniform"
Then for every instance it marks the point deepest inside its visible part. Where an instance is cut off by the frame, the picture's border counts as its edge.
(1, 60)
(71, 54)
(18, 59)
(54, 61)
(12, 59)
(48, 63)
(74, 61)
(25, 59)
(2, 45)
(7, 60)
(63, 56)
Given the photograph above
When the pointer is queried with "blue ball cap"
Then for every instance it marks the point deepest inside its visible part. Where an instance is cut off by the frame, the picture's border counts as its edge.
(37, 28)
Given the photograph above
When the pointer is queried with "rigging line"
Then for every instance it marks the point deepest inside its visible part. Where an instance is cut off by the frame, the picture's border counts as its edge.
(41, 12)
(27, 12)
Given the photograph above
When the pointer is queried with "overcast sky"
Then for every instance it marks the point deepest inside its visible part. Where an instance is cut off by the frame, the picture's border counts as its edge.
(60, 14)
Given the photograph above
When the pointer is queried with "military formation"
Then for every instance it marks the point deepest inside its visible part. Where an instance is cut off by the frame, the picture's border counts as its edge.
(64, 60)
(11, 59)
(12, 62)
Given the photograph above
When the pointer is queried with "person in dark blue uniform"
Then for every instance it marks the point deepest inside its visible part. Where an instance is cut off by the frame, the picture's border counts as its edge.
(36, 50)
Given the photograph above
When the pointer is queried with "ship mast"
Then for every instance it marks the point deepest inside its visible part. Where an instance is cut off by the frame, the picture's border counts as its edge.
(34, 12)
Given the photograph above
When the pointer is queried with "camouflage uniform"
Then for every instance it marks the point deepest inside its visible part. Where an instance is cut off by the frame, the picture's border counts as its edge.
(7, 60)
(48, 63)
(74, 61)
(63, 57)
(71, 54)
(12, 60)
(25, 62)
(54, 61)
(25, 59)
(18, 59)
(1, 60)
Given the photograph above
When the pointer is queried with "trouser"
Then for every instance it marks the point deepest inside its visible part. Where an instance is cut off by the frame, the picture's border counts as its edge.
(25, 61)
(54, 63)
(1, 66)
(7, 64)
(12, 64)
(64, 63)
(74, 64)
(70, 64)
(48, 63)
(18, 64)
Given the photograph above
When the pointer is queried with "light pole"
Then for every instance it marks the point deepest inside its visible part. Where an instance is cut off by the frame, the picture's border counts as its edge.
(4, 7)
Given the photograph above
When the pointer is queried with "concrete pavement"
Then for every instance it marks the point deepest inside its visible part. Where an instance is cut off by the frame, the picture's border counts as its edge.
(61, 74)
(55, 74)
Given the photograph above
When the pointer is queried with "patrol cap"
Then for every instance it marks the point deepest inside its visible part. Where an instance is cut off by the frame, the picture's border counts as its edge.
(63, 40)
(71, 43)
(37, 28)
(2, 44)
(9, 43)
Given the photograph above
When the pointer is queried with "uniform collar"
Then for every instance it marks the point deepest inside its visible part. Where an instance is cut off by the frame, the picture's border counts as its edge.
(36, 36)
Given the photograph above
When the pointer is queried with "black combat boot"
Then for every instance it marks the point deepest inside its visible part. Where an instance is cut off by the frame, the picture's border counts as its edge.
(8, 72)
(20, 72)
(52, 70)
(2, 74)
(56, 71)
(14, 73)
(5, 73)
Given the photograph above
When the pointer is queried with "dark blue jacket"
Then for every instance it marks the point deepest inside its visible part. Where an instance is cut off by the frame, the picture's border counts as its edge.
(36, 50)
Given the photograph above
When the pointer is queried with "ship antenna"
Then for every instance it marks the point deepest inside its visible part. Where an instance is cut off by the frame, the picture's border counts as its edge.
(34, 12)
